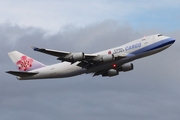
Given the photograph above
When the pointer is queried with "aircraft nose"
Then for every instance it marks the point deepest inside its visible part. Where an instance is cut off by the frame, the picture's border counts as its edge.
(172, 40)
(169, 41)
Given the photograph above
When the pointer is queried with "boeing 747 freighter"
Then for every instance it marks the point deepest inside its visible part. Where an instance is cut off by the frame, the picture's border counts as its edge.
(106, 63)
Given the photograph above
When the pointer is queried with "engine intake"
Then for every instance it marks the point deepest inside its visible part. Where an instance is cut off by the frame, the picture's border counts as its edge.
(127, 67)
(77, 56)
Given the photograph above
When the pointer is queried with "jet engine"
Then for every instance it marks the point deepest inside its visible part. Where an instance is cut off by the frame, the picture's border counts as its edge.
(126, 67)
(110, 73)
(77, 56)
(108, 58)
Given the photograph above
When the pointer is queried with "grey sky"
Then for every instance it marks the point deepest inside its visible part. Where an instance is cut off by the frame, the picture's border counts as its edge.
(150, 91)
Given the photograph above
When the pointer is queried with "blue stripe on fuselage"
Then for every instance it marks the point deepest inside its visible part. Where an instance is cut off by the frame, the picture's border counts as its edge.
(154, 46)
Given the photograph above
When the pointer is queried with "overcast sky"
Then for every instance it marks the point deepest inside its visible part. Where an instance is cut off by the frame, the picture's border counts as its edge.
(149, 92)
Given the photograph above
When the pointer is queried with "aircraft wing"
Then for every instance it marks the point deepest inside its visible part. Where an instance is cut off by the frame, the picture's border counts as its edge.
(86, 60)
(67, 56)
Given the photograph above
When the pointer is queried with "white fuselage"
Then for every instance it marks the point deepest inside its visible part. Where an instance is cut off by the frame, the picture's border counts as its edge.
(136, 49)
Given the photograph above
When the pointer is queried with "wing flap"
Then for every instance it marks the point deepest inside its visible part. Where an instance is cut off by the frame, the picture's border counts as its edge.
(22, 74)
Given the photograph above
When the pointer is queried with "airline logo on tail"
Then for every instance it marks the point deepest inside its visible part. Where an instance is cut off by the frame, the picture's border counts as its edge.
(24, 63)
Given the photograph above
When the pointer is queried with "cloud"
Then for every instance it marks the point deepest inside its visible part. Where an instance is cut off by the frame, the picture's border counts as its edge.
(53, 15)
(150, 91)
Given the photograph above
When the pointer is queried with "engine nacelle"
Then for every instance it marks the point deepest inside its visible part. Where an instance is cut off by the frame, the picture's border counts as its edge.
(77, 56)
(111, 72)
(108, 58)
(127, 67)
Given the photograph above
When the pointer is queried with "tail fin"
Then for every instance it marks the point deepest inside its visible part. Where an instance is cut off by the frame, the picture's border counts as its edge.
(23, 62)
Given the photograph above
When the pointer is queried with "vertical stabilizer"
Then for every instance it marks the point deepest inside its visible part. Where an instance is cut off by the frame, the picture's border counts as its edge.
(23, 62)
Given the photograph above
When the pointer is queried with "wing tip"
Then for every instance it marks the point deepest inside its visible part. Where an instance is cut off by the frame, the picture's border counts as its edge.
(8, 71)
(34, 48)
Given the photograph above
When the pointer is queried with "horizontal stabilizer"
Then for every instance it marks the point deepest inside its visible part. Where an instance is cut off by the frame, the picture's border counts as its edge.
(22, 74)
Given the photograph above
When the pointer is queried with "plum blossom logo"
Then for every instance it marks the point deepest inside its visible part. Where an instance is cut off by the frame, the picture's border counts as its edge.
(24, 63)
(109, 52)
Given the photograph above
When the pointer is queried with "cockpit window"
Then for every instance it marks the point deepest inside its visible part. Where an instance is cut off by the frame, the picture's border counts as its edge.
(159, 35)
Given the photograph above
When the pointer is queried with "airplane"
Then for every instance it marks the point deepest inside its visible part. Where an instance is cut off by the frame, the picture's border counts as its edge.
(107, 63)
